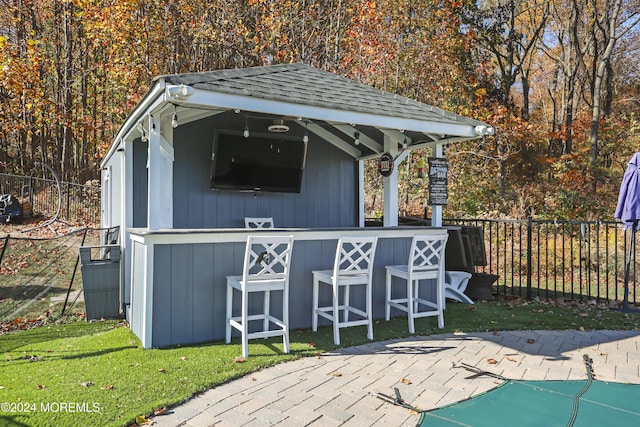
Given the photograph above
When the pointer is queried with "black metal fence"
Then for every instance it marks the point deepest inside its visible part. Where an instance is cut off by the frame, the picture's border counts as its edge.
(74, 202)
(558, 259)
(554, 259)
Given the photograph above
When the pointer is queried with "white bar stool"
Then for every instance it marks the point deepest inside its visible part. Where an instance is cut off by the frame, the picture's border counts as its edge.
(267, 261)
(353, 266)
(258, 222)
(426, 261)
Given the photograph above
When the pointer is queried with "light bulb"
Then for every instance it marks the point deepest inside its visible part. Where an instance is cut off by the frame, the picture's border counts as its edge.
(174, 121)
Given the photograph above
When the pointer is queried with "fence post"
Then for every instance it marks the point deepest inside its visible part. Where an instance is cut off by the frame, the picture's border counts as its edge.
(529, 255)
(31, 192)
(4, 247)
(68, 211)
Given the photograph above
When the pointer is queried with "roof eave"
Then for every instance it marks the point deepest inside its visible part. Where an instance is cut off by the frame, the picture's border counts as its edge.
(149, 102)
(208, 99)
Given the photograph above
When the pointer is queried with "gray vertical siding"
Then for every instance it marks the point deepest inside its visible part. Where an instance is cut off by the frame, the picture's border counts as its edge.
(190, 286)
(328, 196)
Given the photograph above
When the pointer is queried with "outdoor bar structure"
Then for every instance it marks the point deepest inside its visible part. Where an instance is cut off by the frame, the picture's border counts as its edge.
(202, 151)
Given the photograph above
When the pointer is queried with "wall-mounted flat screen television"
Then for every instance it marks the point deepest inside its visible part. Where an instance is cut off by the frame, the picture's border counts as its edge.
(260, 162)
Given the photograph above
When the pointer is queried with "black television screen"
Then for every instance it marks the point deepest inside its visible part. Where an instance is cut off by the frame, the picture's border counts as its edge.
(260, 162)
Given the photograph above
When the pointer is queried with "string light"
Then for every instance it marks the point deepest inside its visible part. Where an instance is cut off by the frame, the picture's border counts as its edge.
(174, 120)
(246, 127)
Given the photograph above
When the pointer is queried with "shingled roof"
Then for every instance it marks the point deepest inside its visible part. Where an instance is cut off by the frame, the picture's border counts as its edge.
(334, 107)
(306, 85)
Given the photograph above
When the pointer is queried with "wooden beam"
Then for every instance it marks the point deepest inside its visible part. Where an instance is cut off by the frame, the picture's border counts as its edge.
(334, 139)
(365, 140)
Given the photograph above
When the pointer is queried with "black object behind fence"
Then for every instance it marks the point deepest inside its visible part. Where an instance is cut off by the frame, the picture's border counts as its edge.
(79, 203)
(556, 259)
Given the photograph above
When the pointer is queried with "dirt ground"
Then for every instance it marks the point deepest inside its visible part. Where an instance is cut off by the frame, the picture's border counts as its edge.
(37, 227)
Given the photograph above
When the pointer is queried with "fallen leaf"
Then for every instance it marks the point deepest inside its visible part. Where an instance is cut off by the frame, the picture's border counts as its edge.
(584, 315)
(496, 333)
(160, 411)
(530, 341)
(472, 308)
(492, 361)
(141, 419)
(109, 387)
(406, 381)
(40, 387)
(240, 360)
(581, 328)
(163, 370)
(318, 356)
(183, 358)
(312, 345)
(511, 359)
(337, 374)
(86, 384)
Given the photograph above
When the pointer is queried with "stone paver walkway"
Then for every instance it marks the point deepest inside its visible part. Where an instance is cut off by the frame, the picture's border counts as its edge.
(339, 388)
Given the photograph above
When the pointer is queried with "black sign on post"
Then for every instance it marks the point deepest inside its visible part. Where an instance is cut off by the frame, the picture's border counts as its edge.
(438, 194)
(385, 164)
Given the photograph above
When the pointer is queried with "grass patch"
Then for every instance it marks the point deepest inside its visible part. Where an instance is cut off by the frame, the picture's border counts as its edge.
(100, 370)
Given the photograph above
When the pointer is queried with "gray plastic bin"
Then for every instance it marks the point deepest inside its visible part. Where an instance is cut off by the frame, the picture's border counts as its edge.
(100, 267)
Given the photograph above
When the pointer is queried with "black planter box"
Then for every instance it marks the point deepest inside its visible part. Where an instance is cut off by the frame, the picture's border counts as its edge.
(479, 287)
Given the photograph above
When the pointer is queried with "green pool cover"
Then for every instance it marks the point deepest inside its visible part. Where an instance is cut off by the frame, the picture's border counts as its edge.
(544, 403)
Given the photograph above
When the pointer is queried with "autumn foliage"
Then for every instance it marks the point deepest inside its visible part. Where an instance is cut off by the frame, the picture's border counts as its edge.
(538, 71)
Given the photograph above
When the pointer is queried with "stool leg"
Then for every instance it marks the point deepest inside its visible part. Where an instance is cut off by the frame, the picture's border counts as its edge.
(387, 298)
(440, 296)
(285, 319)
(369, 312)
(314, 315)
(245, 326)
(346, 303)
(267, 310)
(336, 314)
(228, 314)
(410, 305)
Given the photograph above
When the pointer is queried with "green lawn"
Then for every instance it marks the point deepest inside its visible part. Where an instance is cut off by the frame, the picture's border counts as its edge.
(97, 373)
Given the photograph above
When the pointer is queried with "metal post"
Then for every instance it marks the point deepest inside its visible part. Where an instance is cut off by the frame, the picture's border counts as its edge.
(627, 271)
(68, 217)
(84, 236)
(529, 255)
(4, 247)
(31, 192)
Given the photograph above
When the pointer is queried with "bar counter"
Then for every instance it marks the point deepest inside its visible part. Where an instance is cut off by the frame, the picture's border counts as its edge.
(177, 283)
